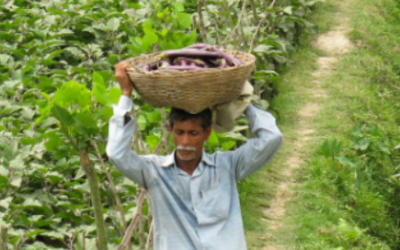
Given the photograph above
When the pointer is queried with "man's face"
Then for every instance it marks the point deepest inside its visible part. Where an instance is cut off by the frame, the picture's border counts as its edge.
(189, 137)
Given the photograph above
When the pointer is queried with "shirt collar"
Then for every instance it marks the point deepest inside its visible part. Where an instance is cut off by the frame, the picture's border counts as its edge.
(170, 160)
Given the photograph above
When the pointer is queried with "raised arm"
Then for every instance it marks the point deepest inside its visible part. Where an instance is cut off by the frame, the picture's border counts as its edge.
(121, 129)
(256, 152)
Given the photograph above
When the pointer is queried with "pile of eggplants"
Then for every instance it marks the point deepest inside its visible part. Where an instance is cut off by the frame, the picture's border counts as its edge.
(194, 57)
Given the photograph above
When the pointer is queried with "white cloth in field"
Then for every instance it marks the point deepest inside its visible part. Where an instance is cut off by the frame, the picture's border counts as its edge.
(225, 115)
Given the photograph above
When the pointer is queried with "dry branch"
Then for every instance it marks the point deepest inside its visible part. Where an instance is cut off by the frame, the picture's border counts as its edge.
(231, 26)
(238, 25)
(215, 24)
(128, 233)
(201, 21)
(142, 237)
(255, 16)
(253, 38)
(244, 10)
(150, 237)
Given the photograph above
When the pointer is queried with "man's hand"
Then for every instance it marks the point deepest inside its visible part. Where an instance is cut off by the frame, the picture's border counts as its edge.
(123, 79)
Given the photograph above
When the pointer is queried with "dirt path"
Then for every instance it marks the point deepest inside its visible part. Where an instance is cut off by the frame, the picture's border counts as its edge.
(334, 44)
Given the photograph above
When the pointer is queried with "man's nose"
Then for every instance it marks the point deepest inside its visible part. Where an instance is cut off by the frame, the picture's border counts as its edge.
(185, 140)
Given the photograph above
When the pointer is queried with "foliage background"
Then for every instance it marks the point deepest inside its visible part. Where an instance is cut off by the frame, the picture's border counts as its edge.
(57, 89)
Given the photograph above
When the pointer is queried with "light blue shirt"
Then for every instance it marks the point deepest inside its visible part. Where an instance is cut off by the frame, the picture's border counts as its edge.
(201, 211)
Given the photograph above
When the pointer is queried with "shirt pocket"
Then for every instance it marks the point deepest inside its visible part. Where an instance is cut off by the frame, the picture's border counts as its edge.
(215, 205)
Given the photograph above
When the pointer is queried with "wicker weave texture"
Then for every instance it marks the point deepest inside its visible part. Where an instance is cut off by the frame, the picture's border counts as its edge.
(193, 90)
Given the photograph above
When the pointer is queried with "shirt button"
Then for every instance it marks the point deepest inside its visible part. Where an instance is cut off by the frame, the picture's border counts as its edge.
(201, 194)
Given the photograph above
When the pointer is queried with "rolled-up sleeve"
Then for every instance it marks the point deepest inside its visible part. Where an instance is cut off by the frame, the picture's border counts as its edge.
(118, 147)
(256, 152)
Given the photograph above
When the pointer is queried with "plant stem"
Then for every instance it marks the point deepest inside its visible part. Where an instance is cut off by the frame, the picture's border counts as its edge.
(112, 186)
(231, 25)
(84, 240)
(142, 237)
(150, 237)
(238, 26)
(255, 16)
(215, 24)
(201, 21)
(246, 18)
(90, 172)
(253, 38)
(134, 222)
(3, 239)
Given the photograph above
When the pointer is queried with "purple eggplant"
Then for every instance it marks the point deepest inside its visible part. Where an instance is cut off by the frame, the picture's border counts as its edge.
(198, 46)
(189, 61)
(230, 60)
(193, 57)
(181, 68)
(223, 63)
(191, 53)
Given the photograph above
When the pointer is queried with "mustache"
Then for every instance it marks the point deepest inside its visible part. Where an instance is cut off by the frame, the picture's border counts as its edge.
(188, 148)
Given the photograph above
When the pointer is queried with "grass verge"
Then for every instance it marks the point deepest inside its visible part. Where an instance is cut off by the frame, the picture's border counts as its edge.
(346, 197)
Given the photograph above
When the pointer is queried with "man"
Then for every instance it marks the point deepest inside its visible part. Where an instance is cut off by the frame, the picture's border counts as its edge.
(193, 194)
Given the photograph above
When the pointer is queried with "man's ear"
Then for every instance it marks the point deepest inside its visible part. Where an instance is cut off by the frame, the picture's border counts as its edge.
(169, 128)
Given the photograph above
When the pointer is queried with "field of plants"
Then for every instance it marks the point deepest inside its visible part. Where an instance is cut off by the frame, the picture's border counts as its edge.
(57, 189)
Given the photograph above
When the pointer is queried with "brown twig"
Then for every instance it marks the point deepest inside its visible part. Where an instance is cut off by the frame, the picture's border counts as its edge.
(244, 10)
(84, 240)
(255, 16)
(238, 25)
(215, 24)
(142, 237)
(128, 233)
(231, 25)
(253, 38)
(162, 142)
(194, 22)
(201, 21)
(150, 237)
(243, 42)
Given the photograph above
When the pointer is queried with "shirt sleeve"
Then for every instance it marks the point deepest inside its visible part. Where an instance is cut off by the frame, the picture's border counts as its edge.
(118, 147)
(256, 152)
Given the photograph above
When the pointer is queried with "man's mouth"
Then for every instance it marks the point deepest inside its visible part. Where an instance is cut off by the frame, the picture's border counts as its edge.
(185, 148)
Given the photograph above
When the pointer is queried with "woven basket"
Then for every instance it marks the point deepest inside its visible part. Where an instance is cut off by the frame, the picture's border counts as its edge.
(193, 90)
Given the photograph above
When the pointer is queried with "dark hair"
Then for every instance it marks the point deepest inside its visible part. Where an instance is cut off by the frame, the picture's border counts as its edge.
(181, 115)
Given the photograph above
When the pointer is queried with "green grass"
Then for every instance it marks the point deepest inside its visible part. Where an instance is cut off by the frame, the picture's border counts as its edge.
(327, 210)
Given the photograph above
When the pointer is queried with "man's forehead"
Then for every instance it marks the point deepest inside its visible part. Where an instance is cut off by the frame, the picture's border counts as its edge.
(188, 122)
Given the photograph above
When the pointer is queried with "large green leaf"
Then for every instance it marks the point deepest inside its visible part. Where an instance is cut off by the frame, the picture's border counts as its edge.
(53, 140)
(213, 139)
(113, 24)
(115, 94)
(72, 93)
(99, 89)
(5, 203)
(62, 115)
(184, 20)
